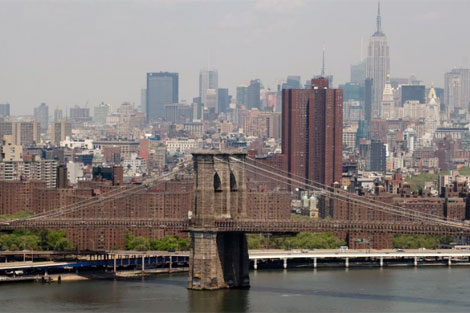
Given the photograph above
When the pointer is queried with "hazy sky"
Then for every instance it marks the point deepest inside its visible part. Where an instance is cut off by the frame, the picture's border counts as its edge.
(66, 52)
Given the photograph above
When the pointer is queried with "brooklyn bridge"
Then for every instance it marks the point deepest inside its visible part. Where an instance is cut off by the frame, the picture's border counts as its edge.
(218, 222)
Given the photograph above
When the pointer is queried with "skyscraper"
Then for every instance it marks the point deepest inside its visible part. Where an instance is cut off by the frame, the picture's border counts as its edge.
(41, 115)
(58, 114)
(413, 93)
(358, 73)
(23, 133)
(100, 113)
(208, 79)
(4, 110)
(378, 65)
(242, 95)
(457, 90)
(292, 82)
(162, 88)
(223, 100)
(388, 103)
(368, 86)
(60, 131)
(79, 115)
(253, 95)
(312, 132)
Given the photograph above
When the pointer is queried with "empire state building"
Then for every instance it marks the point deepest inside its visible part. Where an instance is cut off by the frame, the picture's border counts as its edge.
(378, 66)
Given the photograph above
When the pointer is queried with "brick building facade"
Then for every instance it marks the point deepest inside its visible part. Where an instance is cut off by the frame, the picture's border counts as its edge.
(312, 132)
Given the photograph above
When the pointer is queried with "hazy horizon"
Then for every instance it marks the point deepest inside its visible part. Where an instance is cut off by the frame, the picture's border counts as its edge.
(68, 53)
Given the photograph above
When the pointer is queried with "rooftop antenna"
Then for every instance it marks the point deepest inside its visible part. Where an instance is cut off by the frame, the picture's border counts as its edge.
(208, 59)
(379, 19)
(323, 62)
(362, 48)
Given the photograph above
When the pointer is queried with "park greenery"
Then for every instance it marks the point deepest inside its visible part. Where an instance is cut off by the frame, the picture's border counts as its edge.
(417, 182)
(302, 240)
(35, 240)
(464, 171)
(419, 241)
(17, 215)
(140, 243)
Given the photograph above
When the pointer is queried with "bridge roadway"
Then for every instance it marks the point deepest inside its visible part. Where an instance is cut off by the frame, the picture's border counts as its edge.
(125, 257)
(247, 225)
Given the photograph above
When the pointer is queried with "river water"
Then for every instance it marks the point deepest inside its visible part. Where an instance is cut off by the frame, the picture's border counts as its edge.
(436, 289)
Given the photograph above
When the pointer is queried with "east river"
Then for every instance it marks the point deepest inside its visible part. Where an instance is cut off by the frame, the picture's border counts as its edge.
(431, 289)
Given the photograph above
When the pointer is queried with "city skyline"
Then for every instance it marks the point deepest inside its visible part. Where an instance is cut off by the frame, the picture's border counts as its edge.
(243, 30)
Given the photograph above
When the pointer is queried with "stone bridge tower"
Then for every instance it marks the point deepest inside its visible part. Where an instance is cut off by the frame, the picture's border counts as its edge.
(218, 259)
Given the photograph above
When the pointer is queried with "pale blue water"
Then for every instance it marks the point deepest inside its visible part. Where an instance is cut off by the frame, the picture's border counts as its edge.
(295, 290)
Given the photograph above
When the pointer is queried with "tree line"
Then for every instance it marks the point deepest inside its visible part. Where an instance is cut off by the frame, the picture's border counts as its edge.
(44, 239)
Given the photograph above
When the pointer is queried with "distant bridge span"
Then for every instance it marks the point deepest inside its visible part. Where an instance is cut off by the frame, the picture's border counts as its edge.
(219, 248)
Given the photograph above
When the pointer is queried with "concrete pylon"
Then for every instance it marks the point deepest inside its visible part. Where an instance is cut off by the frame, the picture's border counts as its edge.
(218, 259)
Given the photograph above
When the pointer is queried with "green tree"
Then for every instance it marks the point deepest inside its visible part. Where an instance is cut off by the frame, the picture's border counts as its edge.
(302, 240)
(35, 240)
(419, 241)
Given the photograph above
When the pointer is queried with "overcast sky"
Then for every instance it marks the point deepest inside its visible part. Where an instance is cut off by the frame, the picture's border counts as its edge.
(66, 52)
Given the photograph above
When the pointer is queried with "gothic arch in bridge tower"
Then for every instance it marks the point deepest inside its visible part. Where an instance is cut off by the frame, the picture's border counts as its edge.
(233, 182)
(217, 183)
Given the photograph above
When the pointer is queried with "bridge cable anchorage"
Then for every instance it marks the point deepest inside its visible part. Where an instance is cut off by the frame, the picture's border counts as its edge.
(84, 204)
(383, 207)
(351, 194)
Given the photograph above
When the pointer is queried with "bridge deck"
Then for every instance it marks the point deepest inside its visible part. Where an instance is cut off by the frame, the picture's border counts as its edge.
(249, 226)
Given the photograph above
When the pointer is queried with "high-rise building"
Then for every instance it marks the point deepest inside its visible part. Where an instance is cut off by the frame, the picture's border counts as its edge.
(358, 73)
(353, 91)
(388, 104)
(100, 113)
(58, 114)
(23, 133)
(79, 115)
(208, 79)
(312, 132)
(457, 90)
(223, 100)
(143, 99)
(413, 93)
(211, 100)
(4, 110)
(376, 160)
(178, 113)
(242, 95)
(60, 131)
(61, 177)
(253, 94)
(41, 115)
(162, 88)
(378, 65)
(10, 151)
(368, 88)
(292, 82)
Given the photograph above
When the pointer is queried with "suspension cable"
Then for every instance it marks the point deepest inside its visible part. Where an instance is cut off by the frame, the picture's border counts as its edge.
(378, 202)
(401, 212)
